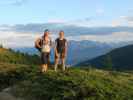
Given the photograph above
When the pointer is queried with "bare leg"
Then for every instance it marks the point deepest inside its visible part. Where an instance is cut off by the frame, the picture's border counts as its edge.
(43, 68)
(46, 67)
(56, 63)
(63, 63)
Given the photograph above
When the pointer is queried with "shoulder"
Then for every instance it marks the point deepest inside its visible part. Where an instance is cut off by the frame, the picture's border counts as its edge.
(50, 39)
(38, 39)
(65, 39)
(56, 39)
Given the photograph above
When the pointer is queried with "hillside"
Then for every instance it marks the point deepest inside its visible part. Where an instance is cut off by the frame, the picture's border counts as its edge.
(120, 58)
(15, 57)
(73, 84)
(24, 80)
(12, 63)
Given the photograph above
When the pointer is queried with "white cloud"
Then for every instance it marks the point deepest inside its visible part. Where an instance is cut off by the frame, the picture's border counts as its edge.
(25, 35)
(17, 39)
(127, 20)
(85, 22)
(12, 39)
(13, 2)
(116, 23)
(115, 37)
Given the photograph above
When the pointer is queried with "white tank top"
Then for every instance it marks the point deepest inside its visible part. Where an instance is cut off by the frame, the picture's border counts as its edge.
(46, 47)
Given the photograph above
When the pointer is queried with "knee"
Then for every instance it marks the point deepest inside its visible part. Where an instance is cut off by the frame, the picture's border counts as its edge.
(63, 60)
(56, 60)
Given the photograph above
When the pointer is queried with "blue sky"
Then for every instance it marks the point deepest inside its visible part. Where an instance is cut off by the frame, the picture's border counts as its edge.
(22, 21)
(101, 12)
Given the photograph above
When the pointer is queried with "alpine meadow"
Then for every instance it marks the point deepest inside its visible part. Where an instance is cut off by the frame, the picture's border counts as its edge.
(66, 49)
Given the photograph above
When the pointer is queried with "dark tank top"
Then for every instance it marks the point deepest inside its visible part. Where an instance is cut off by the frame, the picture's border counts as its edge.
(60, 45)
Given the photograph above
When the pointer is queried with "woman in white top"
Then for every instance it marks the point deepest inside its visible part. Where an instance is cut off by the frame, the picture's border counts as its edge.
(45, 46)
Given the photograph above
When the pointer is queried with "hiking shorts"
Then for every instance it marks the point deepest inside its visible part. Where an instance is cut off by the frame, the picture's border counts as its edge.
(45, 57)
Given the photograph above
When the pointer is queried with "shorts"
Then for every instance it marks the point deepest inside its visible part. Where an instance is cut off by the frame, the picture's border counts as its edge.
(45, 56)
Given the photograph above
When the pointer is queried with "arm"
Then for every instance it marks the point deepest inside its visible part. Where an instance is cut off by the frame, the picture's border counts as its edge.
(37, 43)
(55, 48)
(66, 48)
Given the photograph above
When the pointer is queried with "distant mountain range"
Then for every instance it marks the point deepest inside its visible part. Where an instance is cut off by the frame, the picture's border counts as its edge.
(80, 51)
(83, 53)
(120, 58)
(77, 51)
(85, 42)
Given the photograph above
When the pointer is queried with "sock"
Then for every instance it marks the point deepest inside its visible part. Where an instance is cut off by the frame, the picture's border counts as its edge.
(63, 67)
(55, 67)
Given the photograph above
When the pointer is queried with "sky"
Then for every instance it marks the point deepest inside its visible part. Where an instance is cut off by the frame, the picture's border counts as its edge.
(102, 12)
(85, 13)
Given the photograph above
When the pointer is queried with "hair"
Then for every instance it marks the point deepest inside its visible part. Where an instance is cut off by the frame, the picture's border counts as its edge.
(61, 31)
(45, 33)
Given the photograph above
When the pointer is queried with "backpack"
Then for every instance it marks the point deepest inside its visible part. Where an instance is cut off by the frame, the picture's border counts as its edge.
(40, 43)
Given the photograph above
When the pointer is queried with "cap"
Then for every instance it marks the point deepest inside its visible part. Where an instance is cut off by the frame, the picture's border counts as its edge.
(46, 30)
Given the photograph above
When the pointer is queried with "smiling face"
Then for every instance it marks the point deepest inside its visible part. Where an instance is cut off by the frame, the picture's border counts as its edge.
(61, 34)
(46, 33)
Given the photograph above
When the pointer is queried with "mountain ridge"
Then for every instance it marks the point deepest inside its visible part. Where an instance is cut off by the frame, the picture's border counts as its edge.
(120, 58)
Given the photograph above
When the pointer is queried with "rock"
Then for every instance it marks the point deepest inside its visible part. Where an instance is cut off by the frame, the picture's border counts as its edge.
(6, 95)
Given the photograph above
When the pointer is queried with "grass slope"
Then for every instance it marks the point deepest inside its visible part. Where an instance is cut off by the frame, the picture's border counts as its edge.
(118, 59)
(75, 84)
(10, 56)
(12, 73)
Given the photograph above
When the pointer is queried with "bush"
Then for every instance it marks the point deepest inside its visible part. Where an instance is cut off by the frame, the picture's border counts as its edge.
(76, 84)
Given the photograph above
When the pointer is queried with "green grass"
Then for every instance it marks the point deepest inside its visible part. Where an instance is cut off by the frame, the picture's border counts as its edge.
(75, 84)
(10, 56)
(10, 74)
(21, 73)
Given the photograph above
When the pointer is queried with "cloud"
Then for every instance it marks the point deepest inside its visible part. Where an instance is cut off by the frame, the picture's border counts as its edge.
(122, 21)
(22, 35)
(13, 2)
(19, 2)
(115, 37)
(78, 22)
(14, 39)
(85, 22)
(69, 29)
(19, 39)
(116, 23)
(128, 20)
